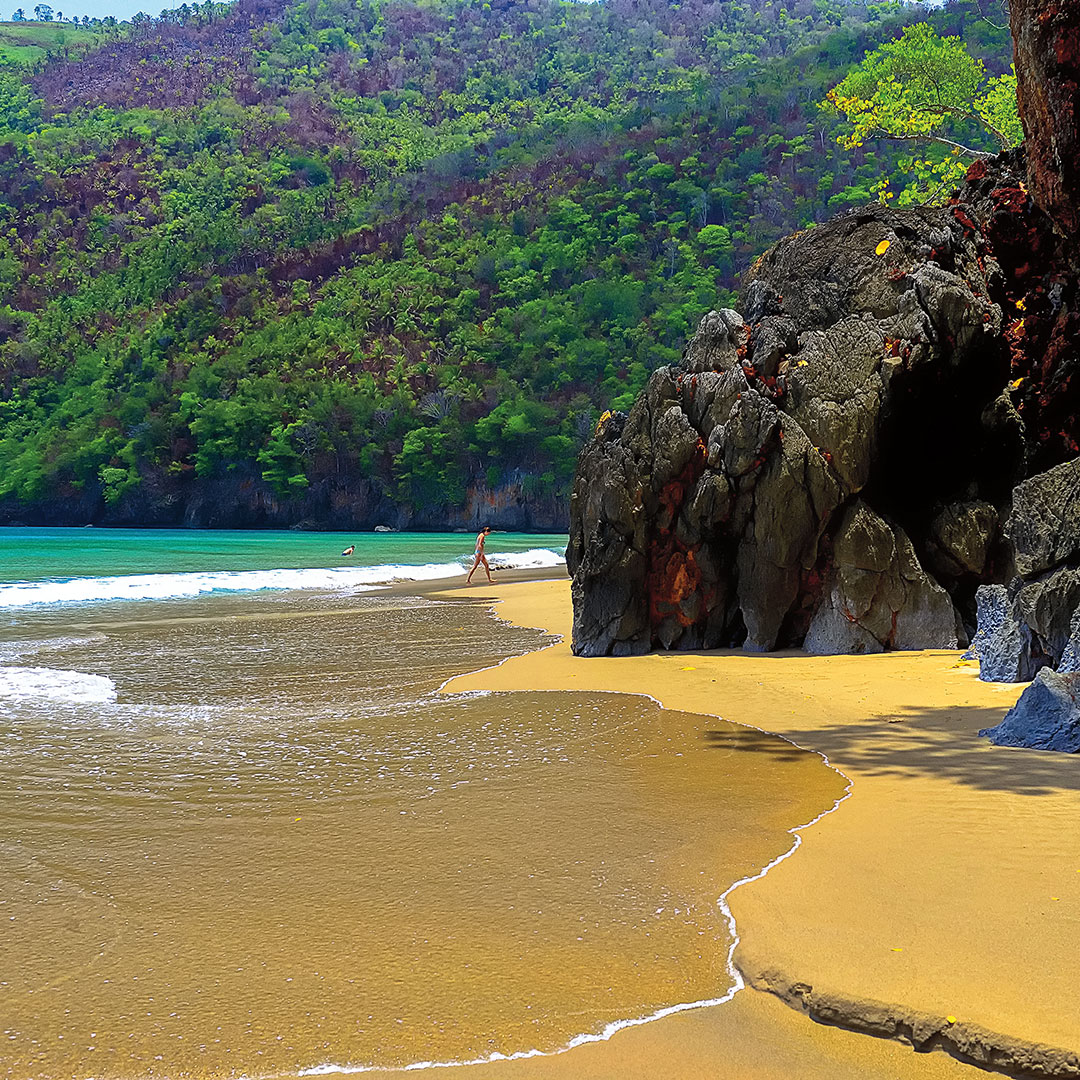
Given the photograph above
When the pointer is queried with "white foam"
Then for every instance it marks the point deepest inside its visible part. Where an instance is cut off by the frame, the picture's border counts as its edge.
(175, 586)
(56, 684)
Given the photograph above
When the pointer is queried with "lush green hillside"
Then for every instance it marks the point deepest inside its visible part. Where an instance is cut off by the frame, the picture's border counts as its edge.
(392, 249)
(24, 43)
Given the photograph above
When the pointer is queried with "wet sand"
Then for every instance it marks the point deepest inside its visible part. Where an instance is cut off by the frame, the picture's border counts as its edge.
(244, 835)
(942, 898)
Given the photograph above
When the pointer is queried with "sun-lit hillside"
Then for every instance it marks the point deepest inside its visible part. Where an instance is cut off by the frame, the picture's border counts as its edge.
(26, 42)
(347, 257)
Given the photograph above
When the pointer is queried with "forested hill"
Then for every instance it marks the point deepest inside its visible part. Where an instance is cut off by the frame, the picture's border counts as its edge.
(350, 261)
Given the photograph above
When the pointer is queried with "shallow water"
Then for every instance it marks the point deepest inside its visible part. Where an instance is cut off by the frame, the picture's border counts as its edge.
(241, 834)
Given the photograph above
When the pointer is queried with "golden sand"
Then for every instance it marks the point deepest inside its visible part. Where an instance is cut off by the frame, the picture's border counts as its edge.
(280, 850)
(947, 886)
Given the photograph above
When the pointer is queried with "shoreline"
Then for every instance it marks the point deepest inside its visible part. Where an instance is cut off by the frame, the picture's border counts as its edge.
(968, 1041)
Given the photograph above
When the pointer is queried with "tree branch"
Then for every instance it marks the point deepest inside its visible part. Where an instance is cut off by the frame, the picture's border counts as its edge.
(933, 138)
(967, 115)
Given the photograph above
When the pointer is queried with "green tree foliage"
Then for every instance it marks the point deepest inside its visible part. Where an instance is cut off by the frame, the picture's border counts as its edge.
(926, 88)
(425, 244)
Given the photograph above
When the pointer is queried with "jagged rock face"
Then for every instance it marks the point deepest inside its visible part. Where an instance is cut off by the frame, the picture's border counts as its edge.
(1030, 629)
(878, 595)
(1047, 716)
(1003, 644)
(1035, 621)
(1046, 34)
(1034, 274)
(1044, 526)
(825, 471)
(1070, 658)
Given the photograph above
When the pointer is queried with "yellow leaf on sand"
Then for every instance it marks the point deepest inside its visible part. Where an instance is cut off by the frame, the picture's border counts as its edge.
(689, 669)
(296, 819)
(898, 950)
(883, 247)
(951, 1019)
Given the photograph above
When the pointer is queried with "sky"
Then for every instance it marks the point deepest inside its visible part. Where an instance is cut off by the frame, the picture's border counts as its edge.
(96, 9)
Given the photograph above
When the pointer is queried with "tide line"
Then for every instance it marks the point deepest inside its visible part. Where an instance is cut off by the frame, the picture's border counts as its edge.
(611, 1029)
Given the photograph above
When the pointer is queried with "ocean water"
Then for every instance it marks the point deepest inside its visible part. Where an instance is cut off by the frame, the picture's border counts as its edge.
(41, 566)
(242, 833)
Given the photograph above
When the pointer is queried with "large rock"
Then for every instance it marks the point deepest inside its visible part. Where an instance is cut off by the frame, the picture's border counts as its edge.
(1032, 627)
(778, 484)
(1044, 525)
(832, 468)
(1047, 716)
(1032, 624)
(961, 537)
(879, 597)
(1046, 605)
(1003, 644)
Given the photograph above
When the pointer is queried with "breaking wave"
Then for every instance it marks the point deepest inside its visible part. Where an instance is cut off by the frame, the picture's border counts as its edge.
(177, 586)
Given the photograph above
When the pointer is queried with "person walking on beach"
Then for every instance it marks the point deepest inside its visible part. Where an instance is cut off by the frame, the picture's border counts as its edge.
(481, 536)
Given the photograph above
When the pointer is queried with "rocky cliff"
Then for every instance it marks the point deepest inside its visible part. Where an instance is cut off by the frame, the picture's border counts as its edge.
(880, 450)
(244, 500)
(833, 468)
(826, 469)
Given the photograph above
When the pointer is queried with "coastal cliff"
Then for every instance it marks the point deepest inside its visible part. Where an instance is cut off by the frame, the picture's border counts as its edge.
(826, 472)
(879, 450)
(833, 467)
(243, 499)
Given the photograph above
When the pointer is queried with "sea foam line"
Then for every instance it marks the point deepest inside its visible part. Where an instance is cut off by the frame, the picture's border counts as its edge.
(196, 583)
(56, 684)
(609, 1030)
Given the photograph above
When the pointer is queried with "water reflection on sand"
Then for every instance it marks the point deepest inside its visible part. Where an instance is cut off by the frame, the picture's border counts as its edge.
(277, 847)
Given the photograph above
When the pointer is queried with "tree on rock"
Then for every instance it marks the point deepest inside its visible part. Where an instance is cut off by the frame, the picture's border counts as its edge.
(928, 89)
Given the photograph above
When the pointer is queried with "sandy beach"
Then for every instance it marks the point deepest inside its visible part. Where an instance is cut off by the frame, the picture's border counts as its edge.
(940, 903)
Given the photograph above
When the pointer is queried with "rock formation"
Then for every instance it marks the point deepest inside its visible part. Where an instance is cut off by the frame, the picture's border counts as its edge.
(1046, 36)
(1030, 629)
(835, 467)
(826, 471)
(1029, 624)
(1047, 716)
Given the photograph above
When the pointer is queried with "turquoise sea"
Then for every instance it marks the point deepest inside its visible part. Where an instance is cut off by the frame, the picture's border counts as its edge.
(83, 565)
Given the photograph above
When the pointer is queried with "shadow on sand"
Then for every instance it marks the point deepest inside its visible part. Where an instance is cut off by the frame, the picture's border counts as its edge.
(936, 742)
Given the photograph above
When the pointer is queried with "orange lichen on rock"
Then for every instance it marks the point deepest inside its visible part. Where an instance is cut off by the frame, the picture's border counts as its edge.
(674, 576)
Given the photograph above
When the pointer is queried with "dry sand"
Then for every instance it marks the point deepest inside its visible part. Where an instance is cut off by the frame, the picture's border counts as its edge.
(947, 885)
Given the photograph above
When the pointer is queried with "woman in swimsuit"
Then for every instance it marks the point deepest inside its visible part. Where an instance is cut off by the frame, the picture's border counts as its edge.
(481, 536)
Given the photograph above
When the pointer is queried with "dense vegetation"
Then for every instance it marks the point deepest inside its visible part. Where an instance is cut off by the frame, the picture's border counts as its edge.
(420, 243)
